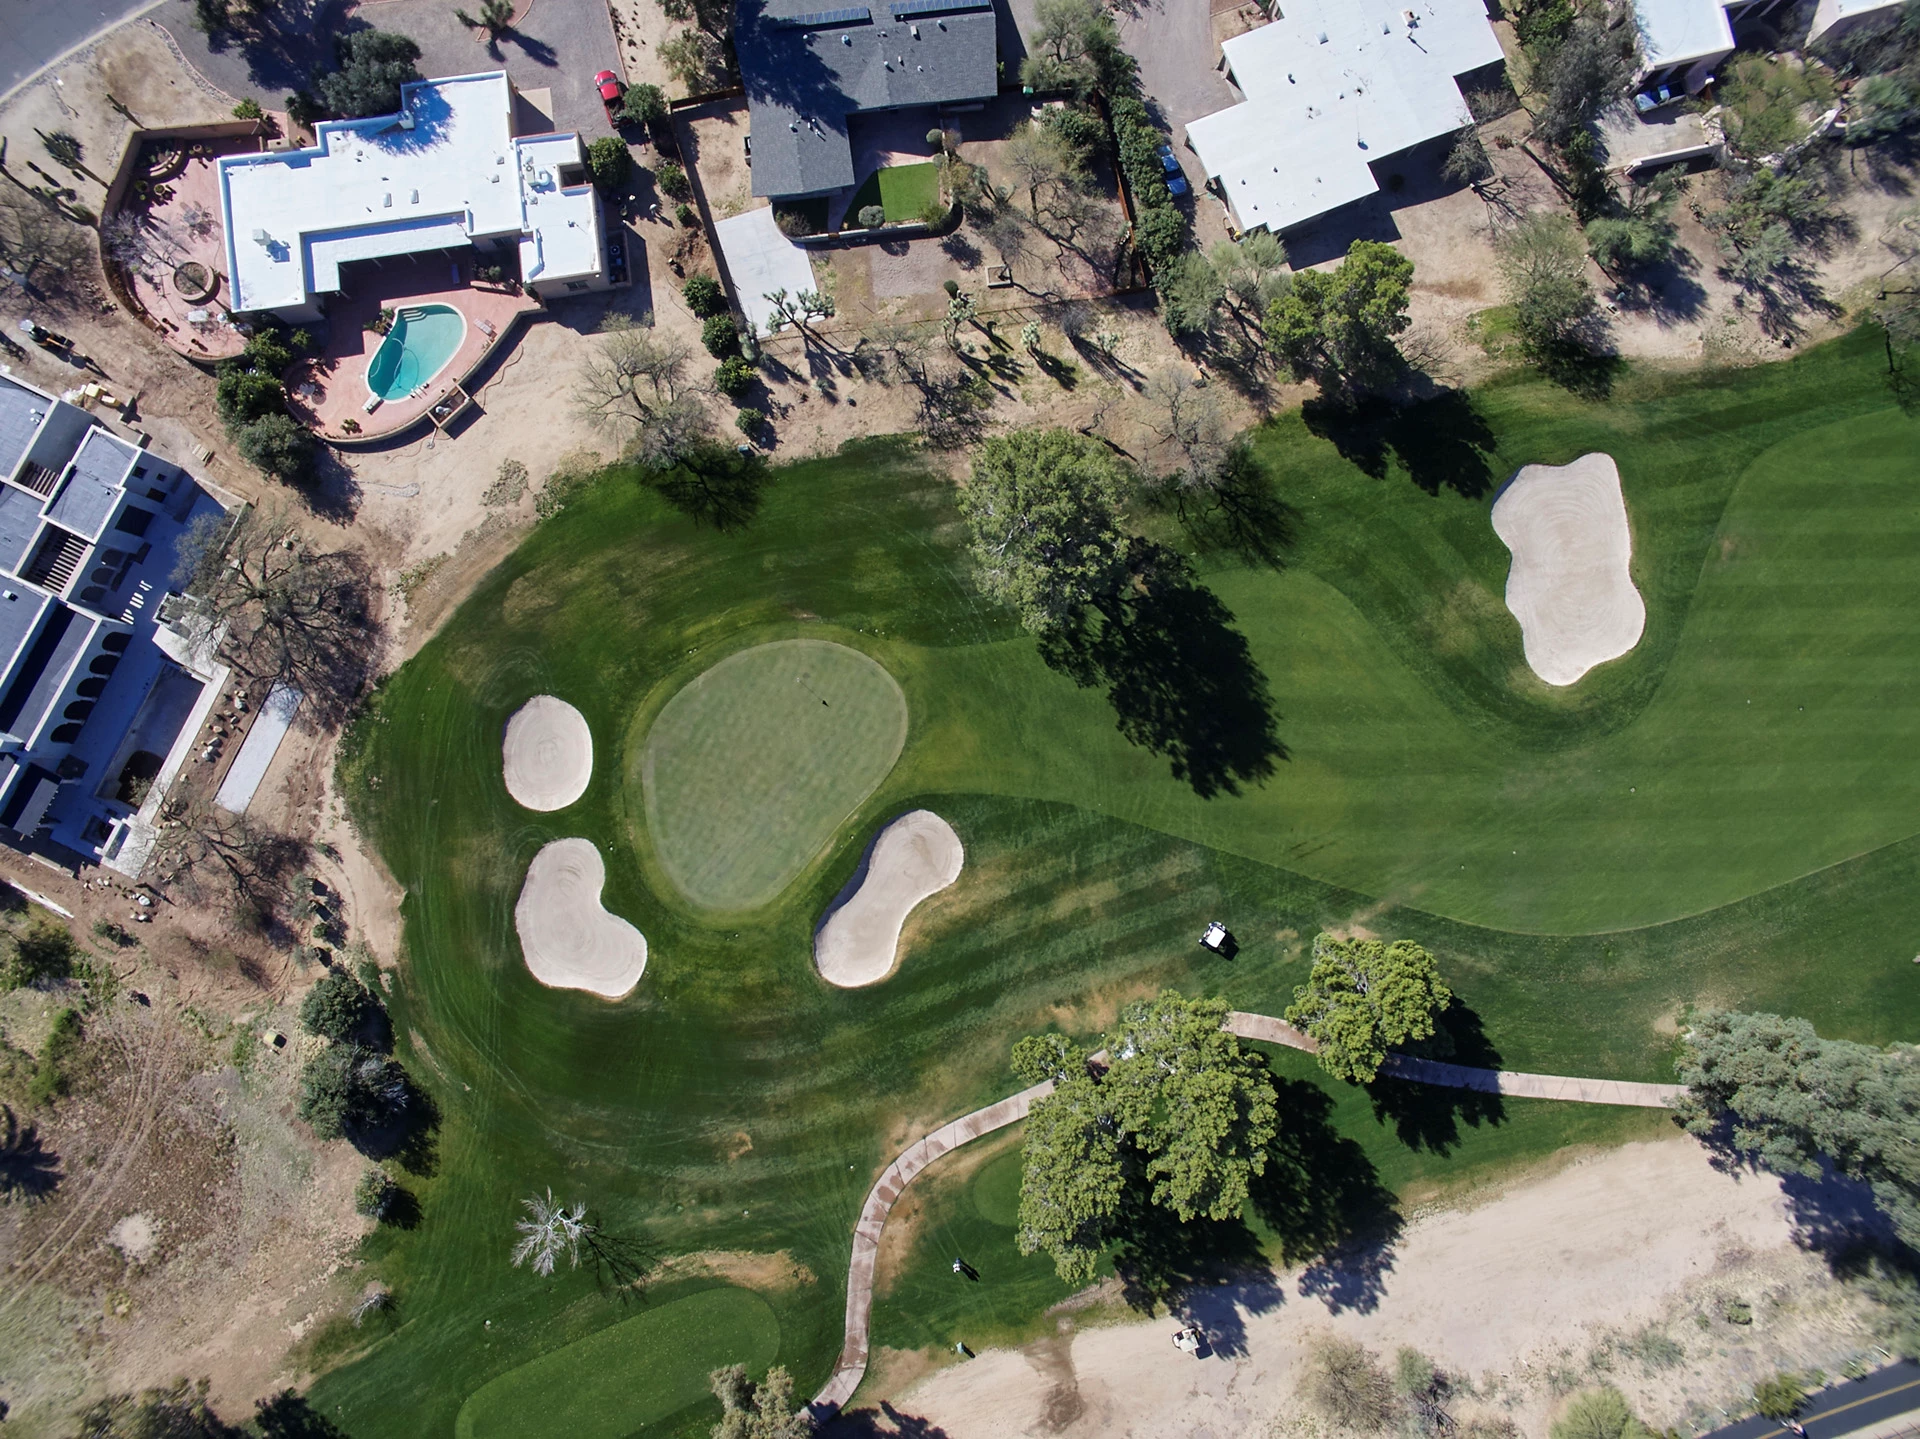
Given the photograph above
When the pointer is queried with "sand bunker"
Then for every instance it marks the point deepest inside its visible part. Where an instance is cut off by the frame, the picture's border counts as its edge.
(567, 939)
(915, 856)
(1570, 587)
(548, 754)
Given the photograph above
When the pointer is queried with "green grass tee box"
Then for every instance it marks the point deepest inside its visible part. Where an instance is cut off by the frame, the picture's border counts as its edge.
(627, 1376)
(903, 191)
(750, 769)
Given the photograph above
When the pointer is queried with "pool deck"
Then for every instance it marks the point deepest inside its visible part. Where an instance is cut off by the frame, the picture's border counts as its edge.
(331, 389)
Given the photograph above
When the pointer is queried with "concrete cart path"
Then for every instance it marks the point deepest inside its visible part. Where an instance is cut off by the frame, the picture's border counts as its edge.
(851, 1367)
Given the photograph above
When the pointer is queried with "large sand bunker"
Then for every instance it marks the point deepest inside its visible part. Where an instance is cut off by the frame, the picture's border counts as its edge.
(1570, 586)
(915, 856)
(547, 754)
(567, 939)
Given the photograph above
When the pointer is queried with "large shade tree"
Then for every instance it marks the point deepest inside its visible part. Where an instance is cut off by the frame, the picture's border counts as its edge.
(1364, 996)
(1337, 328)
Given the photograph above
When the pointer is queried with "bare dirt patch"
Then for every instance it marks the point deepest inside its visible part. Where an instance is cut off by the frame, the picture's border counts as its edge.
(777, 1272)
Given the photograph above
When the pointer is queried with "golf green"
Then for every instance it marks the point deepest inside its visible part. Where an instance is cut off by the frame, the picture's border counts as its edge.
(627, 1376)
(1723, 816)
(750, 769)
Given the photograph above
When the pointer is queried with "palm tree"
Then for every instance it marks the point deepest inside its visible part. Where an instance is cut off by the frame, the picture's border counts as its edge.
(551, 1230)
(495, 17)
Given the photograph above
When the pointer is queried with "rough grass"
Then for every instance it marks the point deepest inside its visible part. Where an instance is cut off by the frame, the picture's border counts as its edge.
(1584, 862)
(749, 770)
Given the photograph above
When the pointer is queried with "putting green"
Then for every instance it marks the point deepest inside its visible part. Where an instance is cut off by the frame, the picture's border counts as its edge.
(626, 1376)
(750, 769)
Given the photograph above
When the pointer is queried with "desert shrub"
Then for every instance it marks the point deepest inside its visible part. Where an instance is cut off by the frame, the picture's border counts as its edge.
(373, 1195)
(685, 216)
(748, 420)
(704, 296)
(872, 215)
(1599, 1414)
(1345, 1385)
(720, 336)
(508, 485)
(610, 163)
(52, 1076)
(794, 221)
(248, 109)
(1781, 1396)
(672, 181)
(336, 1007)
(733, 377)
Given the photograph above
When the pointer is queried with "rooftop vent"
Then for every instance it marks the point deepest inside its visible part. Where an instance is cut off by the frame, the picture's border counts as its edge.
(261, 237)
(846, 39)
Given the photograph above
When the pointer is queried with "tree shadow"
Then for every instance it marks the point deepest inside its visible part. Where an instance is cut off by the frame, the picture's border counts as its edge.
(1442, 443)
(28, 1169)
(409, 1134)
(621, 1263)
(1246, 516)
(1161, 1260)
(1429, 1116)
(289, 1416)
(1325, 1204)
(1182, 680)
(866, 1424)
(403, 1209)
(715, 486)
(537, 51)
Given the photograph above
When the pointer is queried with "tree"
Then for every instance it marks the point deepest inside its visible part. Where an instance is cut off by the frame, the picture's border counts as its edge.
(279, 446)
(1180, 1116)
(1468, 163)
(374, 64)
(1187, 417)
(549, 1231)
(348, 1087)
(704, 296)
(720, 336)
(1338, 329)
(1769, 105)
(643, 105)
(1793, 1098)
(713, 16)
(495, 17)
(1075, 46)
(1599, 1414)
(1042, 510)
(337, 1007)
(757, 1411)
(42, 251)
(610, 163)
(43, 950)
(1252, 273)
(242, 396)
(373, 1195)
(799, 310)
(1191, 293)
(1043, 162)
(1639, 234)
(636, 382)
(1585, 73)
(1346, 1386)
(1364, 996)
(1543, 266)
(691, 58)
(734, 376)
(290, 613)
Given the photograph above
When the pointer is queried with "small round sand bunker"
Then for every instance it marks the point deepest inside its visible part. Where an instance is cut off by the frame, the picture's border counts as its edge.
(858, 942)
(547, 754)
(1570, 586)
(567, 939)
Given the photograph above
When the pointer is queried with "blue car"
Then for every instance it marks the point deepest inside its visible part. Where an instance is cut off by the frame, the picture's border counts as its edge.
(1176, 182)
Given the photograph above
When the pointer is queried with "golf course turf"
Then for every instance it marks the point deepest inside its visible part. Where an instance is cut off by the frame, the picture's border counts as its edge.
(1723, 815)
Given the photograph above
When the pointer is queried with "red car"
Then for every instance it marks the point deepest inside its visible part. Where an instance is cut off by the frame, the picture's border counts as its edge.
(609, 87)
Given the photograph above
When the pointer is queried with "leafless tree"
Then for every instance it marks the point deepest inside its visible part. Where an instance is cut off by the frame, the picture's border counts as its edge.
(211, 855)
(901, 347)
(41, 250)
(1187, 419)
(636, 382)
(549, 1231)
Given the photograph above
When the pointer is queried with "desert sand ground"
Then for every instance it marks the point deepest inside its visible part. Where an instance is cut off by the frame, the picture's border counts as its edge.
(547, 755)
(859, 941)
(1571, 585)
(568, 940)
(1545, 1289)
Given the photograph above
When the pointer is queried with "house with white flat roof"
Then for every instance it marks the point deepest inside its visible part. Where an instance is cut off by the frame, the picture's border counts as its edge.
(1333, 88)
(1839, 17)
(445, 173)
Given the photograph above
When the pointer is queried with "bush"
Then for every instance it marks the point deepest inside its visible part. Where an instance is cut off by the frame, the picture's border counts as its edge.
(248, 109)
(872, 216)
(936, 212)
(45, 950)
(1780, 1397)
(303, 109)
(643, 105)
(720, 337)
(748, 420)
(279, 446)
(51, 1077)
(1599, 1414)
(242, 395)
(336, 1007)
(1160, 228)
(374, 64)
(936, 138)
(347, 1087)
(672, 181)
(1345, 1385)
(794, 221)
(610, 164)
(373, 1195)
(734, 377)
(684, 215)
(704, 296)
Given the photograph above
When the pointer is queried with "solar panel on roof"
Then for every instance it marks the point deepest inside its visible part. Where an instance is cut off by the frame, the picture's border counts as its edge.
(844, 16)
(903, 8)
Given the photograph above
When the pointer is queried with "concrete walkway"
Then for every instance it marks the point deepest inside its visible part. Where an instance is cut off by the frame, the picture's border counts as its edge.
(851, 1367)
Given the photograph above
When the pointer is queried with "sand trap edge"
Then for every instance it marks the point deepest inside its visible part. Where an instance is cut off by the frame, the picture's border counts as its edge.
(857, 942)
(558, 900)
(533, 781)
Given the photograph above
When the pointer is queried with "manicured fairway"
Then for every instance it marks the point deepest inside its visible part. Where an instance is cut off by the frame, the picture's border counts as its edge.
(627, 1376)
(1724, 815)
(750, 768)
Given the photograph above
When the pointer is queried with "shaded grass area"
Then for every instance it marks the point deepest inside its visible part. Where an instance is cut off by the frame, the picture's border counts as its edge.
(1677, 843)
(903, 191)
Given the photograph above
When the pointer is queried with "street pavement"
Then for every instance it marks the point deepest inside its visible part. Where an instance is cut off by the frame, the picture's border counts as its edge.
(35, 33)
(1843, 1409)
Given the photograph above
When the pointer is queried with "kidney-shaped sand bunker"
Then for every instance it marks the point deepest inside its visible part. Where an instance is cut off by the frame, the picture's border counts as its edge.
(1570, 586)
(916, 856)
(753, 766)
(567, 939)
(547, 754)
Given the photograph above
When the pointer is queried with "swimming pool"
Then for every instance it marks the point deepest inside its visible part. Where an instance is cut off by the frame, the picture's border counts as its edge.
(422, 340)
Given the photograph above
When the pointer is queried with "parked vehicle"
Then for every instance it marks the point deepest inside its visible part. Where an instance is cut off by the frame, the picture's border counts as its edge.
(611, 93)
(1176, 181)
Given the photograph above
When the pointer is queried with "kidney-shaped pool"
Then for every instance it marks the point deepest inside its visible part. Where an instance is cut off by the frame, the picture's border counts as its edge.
(423, 339)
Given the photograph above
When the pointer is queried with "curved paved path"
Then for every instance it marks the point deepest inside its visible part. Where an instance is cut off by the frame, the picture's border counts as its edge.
(893, 1181)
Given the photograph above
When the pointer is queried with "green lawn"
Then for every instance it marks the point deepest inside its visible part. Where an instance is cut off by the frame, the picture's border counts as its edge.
(903, 191)
(1723, 815)
(749, 770)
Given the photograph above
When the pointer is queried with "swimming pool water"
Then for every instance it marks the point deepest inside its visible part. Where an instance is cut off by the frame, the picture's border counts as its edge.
(422, 340)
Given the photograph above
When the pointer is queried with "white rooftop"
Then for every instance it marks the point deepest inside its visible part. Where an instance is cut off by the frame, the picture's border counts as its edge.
(562, 237)
(1331, 86)
(1673, 32)
(442, 173)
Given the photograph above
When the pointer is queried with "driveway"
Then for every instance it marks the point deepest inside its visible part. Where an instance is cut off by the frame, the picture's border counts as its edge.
(1179, 68)
(38, 32)
(565, 43)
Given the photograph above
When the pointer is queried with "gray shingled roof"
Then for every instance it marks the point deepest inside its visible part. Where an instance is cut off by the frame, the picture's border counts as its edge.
(807, 67)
